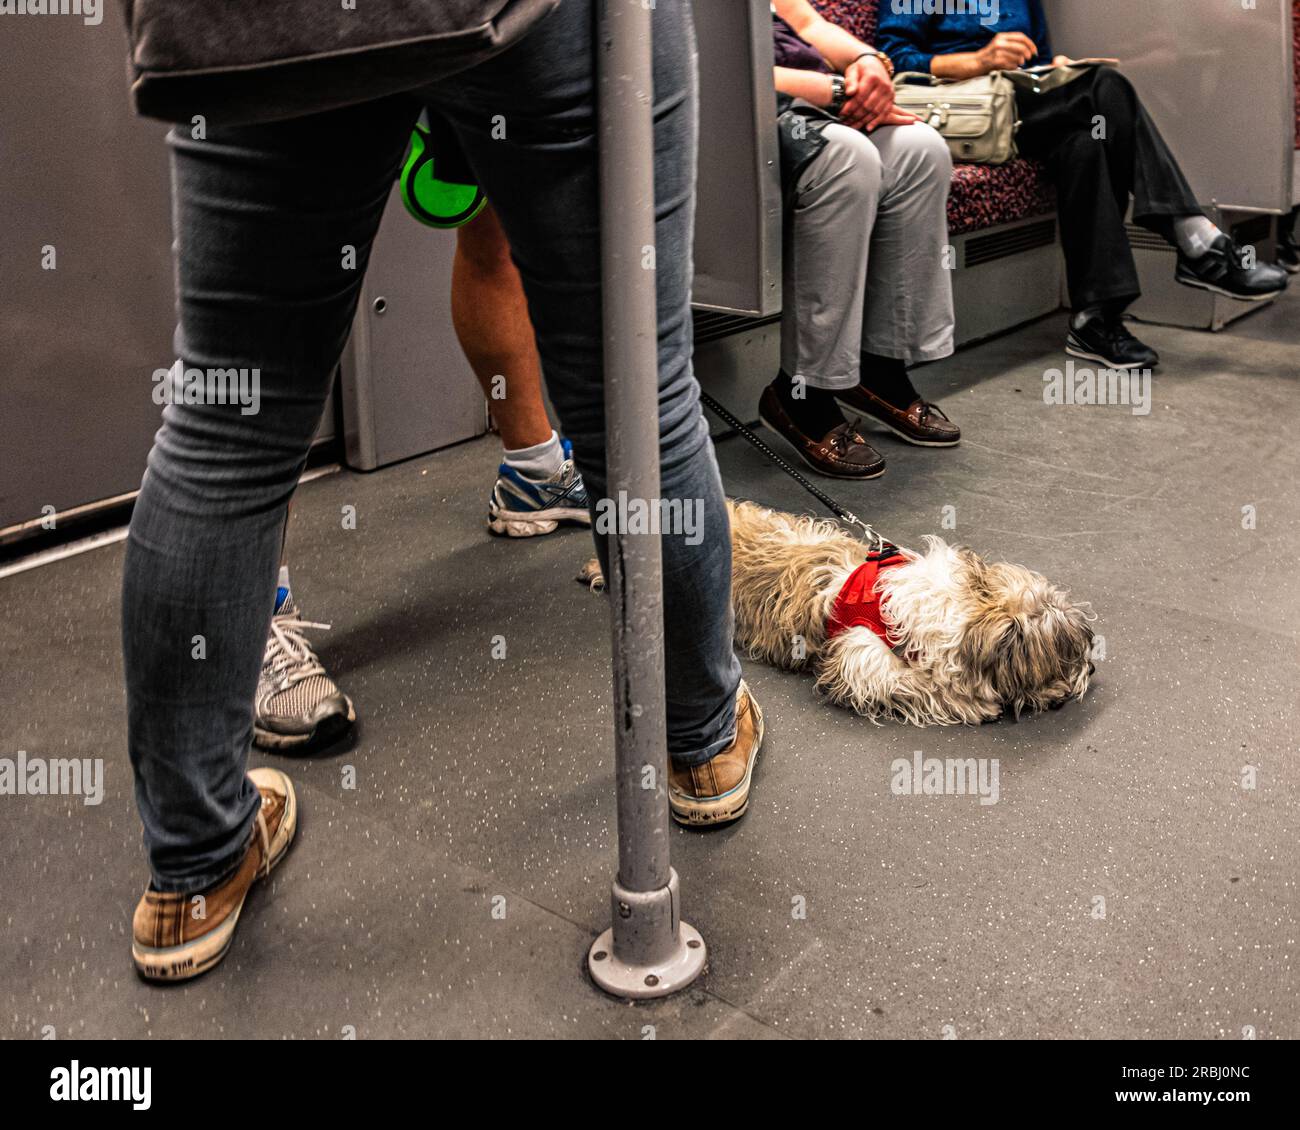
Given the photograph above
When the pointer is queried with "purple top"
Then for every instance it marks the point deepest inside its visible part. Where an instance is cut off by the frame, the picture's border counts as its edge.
(791, 51)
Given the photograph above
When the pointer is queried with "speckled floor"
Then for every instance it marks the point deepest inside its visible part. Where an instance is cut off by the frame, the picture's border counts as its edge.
(925, 916)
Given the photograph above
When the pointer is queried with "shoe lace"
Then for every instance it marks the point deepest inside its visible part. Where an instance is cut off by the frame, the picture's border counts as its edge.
(565, 481)
(1119, 334)
(842, 438)
(289, 654)
(264, 834)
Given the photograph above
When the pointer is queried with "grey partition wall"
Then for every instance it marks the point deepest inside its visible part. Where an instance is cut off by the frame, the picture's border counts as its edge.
(738, 216)
(86, 309)
(406, 387)
(1216, 76)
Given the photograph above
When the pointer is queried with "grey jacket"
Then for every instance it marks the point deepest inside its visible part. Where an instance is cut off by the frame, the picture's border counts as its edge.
(238, 61)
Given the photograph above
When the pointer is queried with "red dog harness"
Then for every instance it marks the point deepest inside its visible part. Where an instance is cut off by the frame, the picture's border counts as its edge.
(857, 604)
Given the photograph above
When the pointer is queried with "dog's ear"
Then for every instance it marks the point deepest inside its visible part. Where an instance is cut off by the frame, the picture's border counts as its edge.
(1030, 650)
(858, 670)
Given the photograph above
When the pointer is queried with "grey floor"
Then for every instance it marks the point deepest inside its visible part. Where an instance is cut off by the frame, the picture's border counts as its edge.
(925, 916)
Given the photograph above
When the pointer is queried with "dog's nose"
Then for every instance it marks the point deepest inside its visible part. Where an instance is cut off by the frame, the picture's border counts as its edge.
(1092, 669)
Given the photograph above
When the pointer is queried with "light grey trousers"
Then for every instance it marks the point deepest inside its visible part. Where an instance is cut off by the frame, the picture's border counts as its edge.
(866, 260)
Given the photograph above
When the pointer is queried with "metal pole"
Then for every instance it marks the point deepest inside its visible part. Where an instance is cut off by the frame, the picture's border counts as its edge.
(649, 952)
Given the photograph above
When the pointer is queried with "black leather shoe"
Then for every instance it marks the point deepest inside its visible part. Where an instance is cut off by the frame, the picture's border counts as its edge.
(1220, 270)
(1288, 254)
(1110, 344)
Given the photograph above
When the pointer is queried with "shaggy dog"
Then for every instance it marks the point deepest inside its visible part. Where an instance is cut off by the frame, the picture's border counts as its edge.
(932, 638)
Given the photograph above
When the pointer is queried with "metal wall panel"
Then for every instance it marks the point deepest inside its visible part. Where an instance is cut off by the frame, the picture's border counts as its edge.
(1216, 77)
(738, 211)
(406, 386)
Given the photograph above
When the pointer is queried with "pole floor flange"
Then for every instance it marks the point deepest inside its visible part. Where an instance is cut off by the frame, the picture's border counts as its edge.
(649, 951)
(645, 982)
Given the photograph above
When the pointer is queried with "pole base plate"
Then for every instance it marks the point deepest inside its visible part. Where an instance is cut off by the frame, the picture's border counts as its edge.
(645, 982)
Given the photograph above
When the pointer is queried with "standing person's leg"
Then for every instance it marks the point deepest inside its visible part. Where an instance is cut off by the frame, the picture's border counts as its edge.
(909, 314)
(273, 232)
(826, 247)
(542, 177)
(538, 485)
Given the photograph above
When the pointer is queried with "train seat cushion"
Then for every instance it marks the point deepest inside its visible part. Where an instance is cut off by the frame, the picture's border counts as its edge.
(1295, 35)
(982, 196)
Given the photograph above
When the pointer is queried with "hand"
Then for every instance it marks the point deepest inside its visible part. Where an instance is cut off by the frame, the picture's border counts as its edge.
(1061, 60)
(1006, 51)
(895, 117)
(868, 93)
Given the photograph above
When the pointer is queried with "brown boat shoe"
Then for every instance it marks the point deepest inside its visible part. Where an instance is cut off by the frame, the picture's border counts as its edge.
(921, 423)
(717, 791)
(841, 453)
(178, 936)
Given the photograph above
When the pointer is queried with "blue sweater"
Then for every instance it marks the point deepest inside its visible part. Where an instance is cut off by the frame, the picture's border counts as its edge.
(911, 39)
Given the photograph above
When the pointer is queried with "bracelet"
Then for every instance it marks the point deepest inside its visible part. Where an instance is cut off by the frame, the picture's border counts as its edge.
(885, 60)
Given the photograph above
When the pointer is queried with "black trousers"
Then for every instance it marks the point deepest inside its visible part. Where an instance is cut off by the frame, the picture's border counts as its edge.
(1100, 147)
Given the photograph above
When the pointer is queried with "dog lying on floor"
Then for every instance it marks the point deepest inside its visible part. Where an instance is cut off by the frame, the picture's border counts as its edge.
(933, 638)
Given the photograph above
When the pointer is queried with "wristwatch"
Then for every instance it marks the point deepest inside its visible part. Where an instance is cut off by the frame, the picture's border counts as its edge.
(885, 61)
(837, 94)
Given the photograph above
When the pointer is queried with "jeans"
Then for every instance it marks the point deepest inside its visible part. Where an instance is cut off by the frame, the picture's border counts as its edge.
(864, 265)
(264, 217)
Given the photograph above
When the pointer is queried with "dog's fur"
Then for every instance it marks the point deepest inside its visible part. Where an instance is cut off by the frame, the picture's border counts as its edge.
(975, 640)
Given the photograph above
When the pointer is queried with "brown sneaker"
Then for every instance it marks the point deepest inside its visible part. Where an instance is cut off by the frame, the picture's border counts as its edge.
(176, 937)
(840, 454)
(923, 423)
(717, 792)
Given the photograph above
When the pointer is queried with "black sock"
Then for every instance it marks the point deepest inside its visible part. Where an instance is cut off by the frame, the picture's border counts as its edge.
(887, 378)
(813, 410)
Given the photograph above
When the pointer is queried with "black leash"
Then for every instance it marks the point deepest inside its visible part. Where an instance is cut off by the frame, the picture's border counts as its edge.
(844, 515)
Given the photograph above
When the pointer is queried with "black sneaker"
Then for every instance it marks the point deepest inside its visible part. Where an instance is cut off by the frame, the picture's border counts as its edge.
(1220, 270)
(1110, 344)
(1288, 254)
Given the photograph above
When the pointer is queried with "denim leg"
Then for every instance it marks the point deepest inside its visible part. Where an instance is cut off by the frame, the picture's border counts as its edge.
(264, 218)
(527, 122)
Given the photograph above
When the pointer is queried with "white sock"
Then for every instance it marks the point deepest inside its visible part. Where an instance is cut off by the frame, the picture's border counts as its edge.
(1194, 235)
(540, 461)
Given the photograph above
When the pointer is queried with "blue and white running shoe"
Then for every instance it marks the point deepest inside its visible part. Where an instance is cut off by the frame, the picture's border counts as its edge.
(521, 507)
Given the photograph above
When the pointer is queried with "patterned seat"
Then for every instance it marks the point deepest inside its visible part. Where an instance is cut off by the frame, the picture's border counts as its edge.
(982, 196)
(1295, 33)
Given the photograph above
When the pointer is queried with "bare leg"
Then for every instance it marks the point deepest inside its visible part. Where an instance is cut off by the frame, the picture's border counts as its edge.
(490, 316)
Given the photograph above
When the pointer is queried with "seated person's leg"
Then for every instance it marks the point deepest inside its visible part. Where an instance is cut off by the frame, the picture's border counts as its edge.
(909, 313)
(827, 242)
(1288, 250)
(1163, 202)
